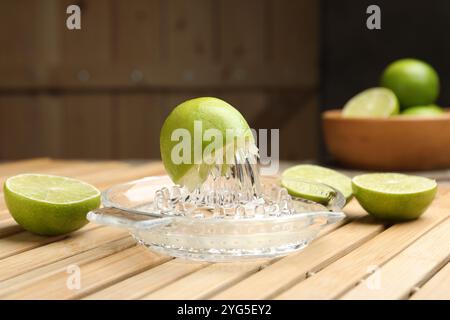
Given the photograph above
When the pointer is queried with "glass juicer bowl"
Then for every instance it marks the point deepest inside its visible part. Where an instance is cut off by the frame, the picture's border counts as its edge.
(226, 219)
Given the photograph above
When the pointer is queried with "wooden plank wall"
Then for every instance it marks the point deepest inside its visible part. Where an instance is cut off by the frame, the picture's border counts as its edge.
(103, 91)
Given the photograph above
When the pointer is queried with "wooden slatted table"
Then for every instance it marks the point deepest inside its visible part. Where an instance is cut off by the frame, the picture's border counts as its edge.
(356, 259)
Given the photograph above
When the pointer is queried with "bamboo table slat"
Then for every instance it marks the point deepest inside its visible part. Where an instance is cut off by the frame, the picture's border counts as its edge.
(358, 258)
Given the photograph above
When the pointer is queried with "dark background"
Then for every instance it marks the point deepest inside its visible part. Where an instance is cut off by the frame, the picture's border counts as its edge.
(353, 57)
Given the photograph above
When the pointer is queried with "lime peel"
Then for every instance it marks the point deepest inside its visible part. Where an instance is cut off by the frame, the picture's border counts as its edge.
(413, 81)
(429, 110)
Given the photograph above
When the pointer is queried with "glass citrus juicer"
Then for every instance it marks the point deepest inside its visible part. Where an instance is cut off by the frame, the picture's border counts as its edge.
(231, 216)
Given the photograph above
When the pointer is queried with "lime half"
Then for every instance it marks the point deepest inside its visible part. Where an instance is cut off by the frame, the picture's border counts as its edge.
(49, 205)
(394, 196)
(374, 102)
(317, 174)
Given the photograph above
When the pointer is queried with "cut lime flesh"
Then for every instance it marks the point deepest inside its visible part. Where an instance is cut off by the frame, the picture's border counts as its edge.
(374, 102)
(316, 174)
(394, 183)
(51, 189)
(394, 196)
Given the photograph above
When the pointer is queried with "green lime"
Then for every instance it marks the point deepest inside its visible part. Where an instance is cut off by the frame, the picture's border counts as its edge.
(374, 102)
(317, 174)
(430, 110)
(394, 196)
(195, 118)
(49, 205)
(414, 82)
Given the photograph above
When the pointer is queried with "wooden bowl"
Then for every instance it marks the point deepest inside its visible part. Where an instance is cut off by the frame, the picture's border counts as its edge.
(398, 143)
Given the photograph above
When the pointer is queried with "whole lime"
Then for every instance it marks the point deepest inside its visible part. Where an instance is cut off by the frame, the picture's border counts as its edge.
(430, 110)
(49, 205)
(394, 196)
(184, 137)
(414, 82)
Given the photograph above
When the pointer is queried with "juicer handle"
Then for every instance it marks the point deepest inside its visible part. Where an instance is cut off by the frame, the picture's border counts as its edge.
(336, 201)
(125, 219)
